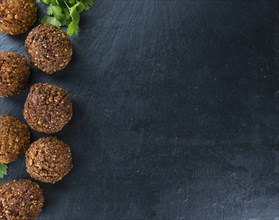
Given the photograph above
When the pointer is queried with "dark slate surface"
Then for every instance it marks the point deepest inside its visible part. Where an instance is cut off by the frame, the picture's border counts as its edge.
(176, 112)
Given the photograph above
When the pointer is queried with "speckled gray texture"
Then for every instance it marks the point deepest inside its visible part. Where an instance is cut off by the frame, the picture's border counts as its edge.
(176, 112)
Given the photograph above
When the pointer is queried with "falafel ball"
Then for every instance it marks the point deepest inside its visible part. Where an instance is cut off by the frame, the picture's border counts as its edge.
(20, 199)
(14, 138)
(17, 17)
(14, 73)
(48, 108)
(48, 160)
(49, 48)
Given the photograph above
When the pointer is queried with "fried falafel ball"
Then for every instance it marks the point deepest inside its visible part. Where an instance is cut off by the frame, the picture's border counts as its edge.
(48, 160)
(20, 199)
(14, 138)
(14, 73)
(49, 48)
(48, 108)
(17, 17)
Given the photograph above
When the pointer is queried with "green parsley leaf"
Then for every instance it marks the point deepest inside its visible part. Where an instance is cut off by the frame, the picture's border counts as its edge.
(66, 13)
(50, 20)
(72, 28)
(3, 170)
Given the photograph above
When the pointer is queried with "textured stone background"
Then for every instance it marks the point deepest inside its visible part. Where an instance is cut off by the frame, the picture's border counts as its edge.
(176, 112)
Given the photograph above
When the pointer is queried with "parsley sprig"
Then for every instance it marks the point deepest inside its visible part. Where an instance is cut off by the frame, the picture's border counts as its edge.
(66, 13)
(3, 170)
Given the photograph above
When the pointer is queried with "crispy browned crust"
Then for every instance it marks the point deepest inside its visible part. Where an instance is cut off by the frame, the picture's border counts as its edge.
(48, 160)
(14, 138)
(14, 73)
(17, 17)
(48, 108)
(49, 48)
(20, 199)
